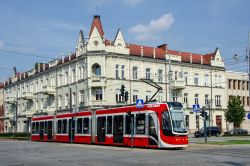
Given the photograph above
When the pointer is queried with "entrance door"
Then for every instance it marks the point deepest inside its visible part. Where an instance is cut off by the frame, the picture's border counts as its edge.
(219, 121)
(50, 130)
(41, 131)
(71, 127)
(101, 129)
(118, 129)
(153, 129)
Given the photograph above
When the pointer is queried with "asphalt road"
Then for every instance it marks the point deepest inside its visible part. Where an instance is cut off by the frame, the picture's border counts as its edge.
(25, 153)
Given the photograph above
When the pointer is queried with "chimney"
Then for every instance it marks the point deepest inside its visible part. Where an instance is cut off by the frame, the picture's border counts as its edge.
(154, 52)
(191, 58)
(163, 46)
(141, 51)
(202, 59)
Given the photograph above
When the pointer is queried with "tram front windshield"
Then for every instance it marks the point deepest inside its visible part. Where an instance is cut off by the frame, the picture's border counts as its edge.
(174, 122)
(178, 121)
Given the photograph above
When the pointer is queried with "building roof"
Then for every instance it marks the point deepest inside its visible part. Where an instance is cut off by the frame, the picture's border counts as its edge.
(96, 23)
(134, 50)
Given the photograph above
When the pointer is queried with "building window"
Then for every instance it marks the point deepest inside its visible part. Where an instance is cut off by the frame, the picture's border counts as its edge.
(81, 96)
(160, 75)
(148, 73)
(239, 85)
(66, 79)
(60, 101)
(217, 100)
(206, 99)
(196, 79)
(196, 99)
(243, 100)
(66, 101)
(148, 95)
(229, 84)
(220, 81)
(96, 69)
(175, 75)
(135, 72)
(98, 94)
(117, 71)
(118, 96)
(185, 99)
(234, 84)
(135, 95)
(74, 98)
(73, 75)
(186, 77)
(216, 81)
(248, 101)
(123, 72)
(175, 97)
(206, 82)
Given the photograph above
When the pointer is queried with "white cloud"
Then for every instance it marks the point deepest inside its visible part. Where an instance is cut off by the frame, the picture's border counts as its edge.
(131, 2)
(1, 44)
(153, 29)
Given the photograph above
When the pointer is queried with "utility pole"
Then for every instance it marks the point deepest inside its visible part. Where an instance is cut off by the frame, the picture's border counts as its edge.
(248, 55)
(70, 107)
(211, 97)
(170, 78)
(204, 122)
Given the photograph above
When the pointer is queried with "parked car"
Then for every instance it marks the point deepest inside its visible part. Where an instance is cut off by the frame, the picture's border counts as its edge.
(236, 131)
(211, 131)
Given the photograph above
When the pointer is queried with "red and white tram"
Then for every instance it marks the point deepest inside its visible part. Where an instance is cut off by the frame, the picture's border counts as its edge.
(158, 125)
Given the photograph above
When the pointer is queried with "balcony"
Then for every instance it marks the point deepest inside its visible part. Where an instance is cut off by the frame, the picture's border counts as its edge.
(49, 90)
(49, 110)
(28, 96)
(96, 78)
(96, 103)
(178, 84)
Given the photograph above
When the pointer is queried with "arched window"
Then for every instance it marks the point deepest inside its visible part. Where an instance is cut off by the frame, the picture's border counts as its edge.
(96, 69)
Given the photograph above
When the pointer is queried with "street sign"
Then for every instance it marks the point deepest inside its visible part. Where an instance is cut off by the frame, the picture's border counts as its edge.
(248, 115)
(139, 103)
(196, 108)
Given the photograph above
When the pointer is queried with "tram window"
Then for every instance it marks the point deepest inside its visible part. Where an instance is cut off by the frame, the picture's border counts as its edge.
(109, 125)
(129, 124)
(37, 127)
(86, 125)
(79, 125)
(64, 126)
(166, 123)
(140, 124)
(46, 127)
(42, 127)
(33, 128)
(59, 126)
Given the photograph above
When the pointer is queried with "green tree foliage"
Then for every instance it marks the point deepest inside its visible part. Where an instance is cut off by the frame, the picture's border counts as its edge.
(236, 112)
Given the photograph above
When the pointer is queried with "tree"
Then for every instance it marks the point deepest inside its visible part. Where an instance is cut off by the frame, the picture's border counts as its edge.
(236, 112)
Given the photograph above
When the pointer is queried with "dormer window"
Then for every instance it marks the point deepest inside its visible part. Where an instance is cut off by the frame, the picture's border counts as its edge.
(96, 43)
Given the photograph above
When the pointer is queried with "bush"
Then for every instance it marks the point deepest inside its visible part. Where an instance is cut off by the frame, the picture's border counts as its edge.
(14, 134)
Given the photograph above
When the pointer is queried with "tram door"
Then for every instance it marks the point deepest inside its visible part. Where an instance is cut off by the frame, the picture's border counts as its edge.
(153, 129)
(101, 129)
(41, 131)
(50, 130)
(118, 129)
(71, 127)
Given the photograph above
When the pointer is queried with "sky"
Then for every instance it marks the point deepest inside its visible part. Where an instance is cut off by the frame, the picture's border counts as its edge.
(37, 31)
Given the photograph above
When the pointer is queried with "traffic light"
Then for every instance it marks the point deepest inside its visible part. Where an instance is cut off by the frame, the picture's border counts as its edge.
(122, 90)
(126, 96)
(204, 114)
